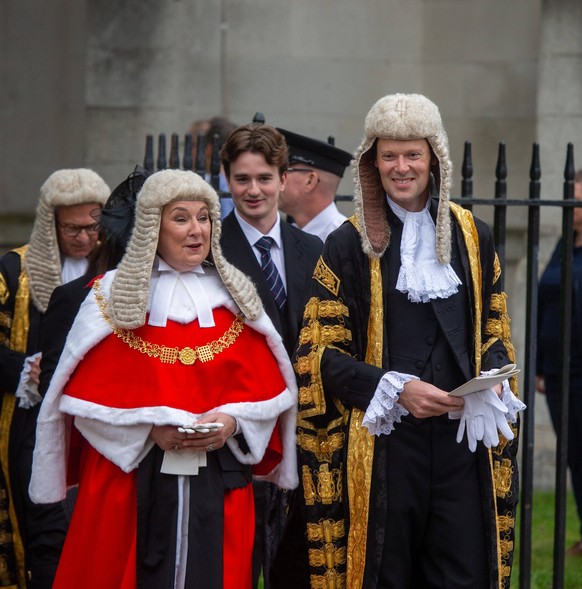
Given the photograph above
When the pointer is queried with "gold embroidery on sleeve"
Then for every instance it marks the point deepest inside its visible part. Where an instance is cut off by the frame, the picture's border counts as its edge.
(20, 319)
(326, 530)
(316, 308)
(309, 491)
(323, 445)
(4, 292)
(331, 580)
(328, 556)
(311, 397)
(18, 342)
(496, 268)
(328, 487)
(502, 476)
(5, 320)
(324, 275)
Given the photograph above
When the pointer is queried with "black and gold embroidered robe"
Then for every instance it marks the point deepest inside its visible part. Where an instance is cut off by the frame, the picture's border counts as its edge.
(31, 536)
(341, 357)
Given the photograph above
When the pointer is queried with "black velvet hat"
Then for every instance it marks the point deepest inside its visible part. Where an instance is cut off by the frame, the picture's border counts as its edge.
(316, 153)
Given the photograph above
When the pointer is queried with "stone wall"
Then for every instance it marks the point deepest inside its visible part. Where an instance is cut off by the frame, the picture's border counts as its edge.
(42, 104)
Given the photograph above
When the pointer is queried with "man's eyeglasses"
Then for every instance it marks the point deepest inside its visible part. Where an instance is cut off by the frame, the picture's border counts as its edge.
(299, 170)
(75, 230)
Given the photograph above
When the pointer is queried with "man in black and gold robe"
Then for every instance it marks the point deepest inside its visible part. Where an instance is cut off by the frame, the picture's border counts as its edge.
(64, 234)
(405, 307)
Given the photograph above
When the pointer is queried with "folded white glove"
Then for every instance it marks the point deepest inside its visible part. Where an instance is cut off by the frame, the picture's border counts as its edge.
(482, 415)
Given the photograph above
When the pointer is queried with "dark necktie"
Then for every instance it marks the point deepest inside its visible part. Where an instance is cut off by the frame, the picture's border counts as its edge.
(270, 270)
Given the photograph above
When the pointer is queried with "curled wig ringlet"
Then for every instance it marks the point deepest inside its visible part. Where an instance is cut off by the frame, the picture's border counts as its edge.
(131, 284)
(42, 261)
(402, 117)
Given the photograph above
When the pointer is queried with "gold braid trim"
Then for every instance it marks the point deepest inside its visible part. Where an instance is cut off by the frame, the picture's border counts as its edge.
(20, 319)
(361, 444)
(506, 522)
(5, 318)
(471, 238)
(496, 268)
(499, 328)
(315, 333)
(325, 276)
(326, 490)
(6, 413)
(502, 474)
(323, 445)
(166, 355)
(329, 556)
(315, 308)
(326, 530)
(312, 398)
(18, 343)
(4, 291)
(310, 395)
(302, 423)
(331, 580)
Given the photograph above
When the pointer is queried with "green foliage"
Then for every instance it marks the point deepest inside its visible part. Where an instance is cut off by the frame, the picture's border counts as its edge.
(543, 544)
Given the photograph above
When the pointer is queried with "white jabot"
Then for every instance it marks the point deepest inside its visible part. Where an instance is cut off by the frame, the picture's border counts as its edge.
(72, 268)
(421, 275)
(175, 291)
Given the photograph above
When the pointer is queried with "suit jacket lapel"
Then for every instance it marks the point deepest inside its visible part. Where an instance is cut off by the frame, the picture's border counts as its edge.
(239, 252)
(297, 279)
(453, 314)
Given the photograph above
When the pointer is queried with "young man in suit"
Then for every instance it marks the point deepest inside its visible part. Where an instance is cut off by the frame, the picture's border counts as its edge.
(255, 164)
(280, 260)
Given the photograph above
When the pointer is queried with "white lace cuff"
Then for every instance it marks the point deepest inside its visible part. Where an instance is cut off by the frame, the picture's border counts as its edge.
(384, 410)
(513, 404)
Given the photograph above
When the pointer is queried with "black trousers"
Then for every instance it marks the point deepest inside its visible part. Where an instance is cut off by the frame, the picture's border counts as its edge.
(435, 534)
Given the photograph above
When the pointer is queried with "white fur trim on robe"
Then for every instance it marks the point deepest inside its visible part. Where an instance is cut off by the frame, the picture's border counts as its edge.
(122, 436)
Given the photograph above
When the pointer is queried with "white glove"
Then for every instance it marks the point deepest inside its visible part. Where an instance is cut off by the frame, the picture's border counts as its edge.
(482, 415)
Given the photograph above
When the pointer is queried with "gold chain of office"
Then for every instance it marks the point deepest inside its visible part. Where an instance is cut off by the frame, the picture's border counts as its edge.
(187, 356)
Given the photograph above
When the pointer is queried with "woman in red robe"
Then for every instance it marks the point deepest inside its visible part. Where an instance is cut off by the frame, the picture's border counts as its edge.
(172, 392)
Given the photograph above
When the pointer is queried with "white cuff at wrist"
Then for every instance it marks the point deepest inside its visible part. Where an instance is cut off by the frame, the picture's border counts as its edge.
(384, 410)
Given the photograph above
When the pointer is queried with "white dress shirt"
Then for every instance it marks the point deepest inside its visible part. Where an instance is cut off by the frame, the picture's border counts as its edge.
(325, 222)
(277, 254)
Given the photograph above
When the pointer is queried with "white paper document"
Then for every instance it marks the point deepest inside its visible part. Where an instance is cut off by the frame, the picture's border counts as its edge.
(186, 461)
(480, 383)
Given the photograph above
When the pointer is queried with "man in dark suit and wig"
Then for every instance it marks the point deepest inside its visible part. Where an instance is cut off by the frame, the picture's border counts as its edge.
(402, 484)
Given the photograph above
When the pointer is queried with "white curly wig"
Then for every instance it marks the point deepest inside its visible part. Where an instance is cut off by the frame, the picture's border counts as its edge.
(42, 261)
(131, 284)
(402, 117)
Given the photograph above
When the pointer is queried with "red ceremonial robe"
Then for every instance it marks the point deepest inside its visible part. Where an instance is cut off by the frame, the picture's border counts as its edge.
(126, 385)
